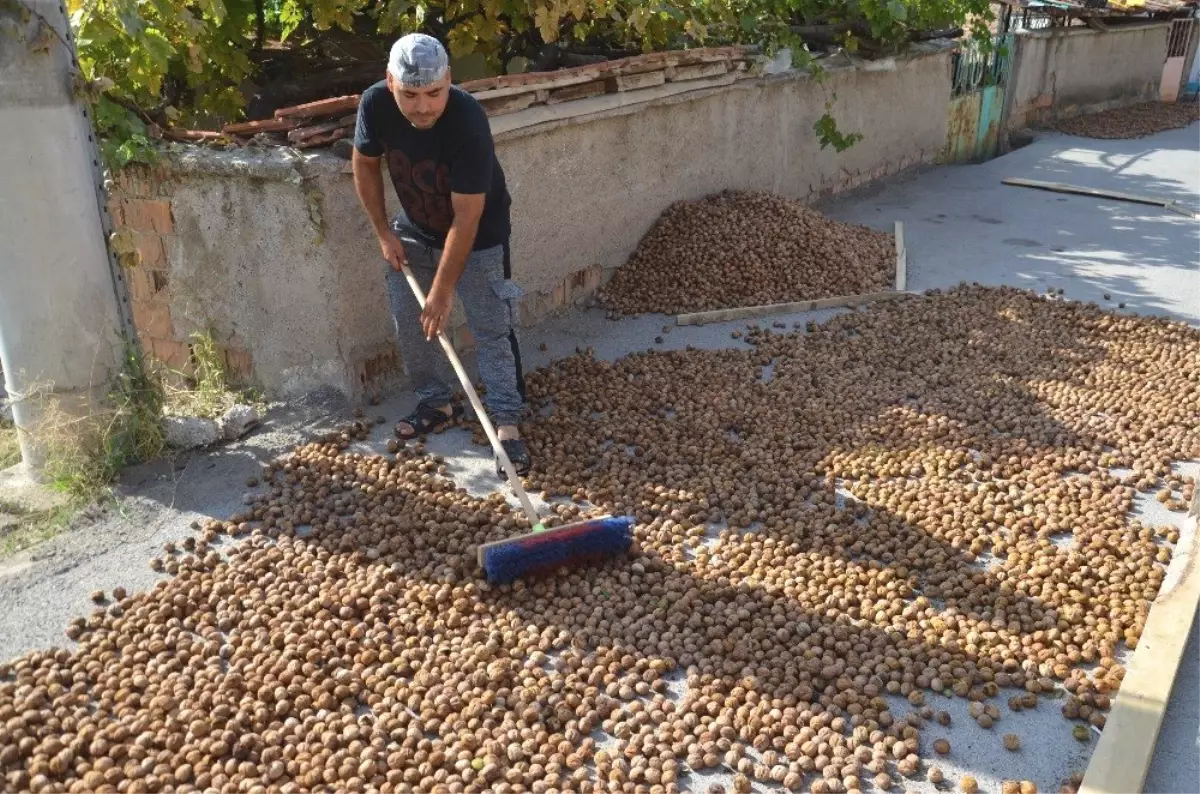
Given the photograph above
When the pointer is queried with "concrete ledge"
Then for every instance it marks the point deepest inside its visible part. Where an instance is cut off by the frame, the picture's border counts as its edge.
(243, 163)
(543, 118)
(1050, 33)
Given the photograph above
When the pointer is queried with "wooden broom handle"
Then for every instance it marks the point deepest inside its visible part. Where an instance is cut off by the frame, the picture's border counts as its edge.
(510, 471)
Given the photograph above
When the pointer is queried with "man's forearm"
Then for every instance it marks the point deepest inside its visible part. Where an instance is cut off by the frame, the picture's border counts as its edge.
(459, 242)
(368, 183)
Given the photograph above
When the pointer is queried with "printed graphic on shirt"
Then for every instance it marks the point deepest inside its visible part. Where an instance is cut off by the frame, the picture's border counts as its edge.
(427, 166)
(423, 189)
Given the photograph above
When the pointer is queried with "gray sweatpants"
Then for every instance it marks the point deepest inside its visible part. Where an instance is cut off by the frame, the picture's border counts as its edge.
(490, 298)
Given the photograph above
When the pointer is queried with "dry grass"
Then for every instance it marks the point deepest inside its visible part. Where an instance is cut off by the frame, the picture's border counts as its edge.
(85, 453)
(205, 391)
(22, 527)
(10, 450)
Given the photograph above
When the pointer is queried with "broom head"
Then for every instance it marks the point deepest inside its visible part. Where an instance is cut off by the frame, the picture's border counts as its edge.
(545, 550)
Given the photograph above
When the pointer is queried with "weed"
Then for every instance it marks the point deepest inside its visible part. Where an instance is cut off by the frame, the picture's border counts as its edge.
(84, 454)
(206, 391)
(10, 449)
(30, 527)
(9, 507)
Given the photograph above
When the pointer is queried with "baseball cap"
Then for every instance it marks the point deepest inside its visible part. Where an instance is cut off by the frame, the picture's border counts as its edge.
(417, 60)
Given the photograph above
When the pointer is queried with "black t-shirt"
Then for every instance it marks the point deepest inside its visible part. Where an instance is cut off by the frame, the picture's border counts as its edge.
(456, 155)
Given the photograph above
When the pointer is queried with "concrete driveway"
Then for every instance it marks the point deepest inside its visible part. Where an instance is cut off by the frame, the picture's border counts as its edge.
(961, 224)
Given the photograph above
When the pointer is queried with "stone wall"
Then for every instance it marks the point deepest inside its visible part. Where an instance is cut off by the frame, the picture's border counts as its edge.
(269, 249)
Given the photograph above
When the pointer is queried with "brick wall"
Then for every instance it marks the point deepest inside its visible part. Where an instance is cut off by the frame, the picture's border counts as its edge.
(140, 203)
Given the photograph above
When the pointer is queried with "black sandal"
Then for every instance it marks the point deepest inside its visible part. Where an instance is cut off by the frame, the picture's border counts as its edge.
(517, 453)
(427, 418)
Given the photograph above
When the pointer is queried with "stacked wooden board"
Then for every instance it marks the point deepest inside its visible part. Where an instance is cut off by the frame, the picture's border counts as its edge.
(325, 121)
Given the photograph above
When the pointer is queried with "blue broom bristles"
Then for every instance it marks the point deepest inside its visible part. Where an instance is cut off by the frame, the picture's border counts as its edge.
(542, 552)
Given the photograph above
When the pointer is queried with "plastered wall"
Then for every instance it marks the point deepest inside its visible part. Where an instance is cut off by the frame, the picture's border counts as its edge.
(270, 250)
(1062, 72)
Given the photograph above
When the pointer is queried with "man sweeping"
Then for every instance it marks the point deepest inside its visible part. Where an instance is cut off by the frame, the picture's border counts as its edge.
(452, 231)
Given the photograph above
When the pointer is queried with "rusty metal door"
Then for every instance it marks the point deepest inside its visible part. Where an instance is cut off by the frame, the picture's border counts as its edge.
(977, 100)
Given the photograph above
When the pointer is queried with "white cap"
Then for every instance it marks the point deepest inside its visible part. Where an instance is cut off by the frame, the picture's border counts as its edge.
(418, 60)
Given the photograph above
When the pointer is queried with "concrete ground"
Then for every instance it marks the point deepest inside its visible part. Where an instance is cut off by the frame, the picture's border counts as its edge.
(961, 223)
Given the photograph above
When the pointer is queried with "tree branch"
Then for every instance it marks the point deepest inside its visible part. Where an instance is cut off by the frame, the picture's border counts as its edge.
(133, 108)
(260, 22)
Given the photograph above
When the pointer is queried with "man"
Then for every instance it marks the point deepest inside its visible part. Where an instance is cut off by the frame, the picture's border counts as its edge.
(453, 231)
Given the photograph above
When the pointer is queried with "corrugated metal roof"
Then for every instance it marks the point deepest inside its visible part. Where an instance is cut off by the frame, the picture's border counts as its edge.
(1106, 7)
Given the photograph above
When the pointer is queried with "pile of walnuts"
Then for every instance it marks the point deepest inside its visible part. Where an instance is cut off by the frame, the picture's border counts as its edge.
(910, 501)
(1135, 121)
(744, 249)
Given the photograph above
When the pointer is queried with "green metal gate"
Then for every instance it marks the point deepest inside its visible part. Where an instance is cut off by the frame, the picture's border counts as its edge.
(977, 100)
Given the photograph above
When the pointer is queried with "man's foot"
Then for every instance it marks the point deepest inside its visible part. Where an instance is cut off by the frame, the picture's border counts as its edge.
(426, 418)
(514, 447)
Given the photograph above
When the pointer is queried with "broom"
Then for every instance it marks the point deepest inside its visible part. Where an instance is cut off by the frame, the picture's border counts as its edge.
(540, 550)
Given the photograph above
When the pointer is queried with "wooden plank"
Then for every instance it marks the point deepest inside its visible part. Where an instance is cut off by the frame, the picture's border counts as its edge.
(605, 103)
(1126, 747)
(647, 79)
(262, 125)
(194, 136)
(301, 134)
(516, 124)
(743, 312)
(320, 108)
(1175, 206)
(585, 74)
(901, 259)
(678, 74)
(1059, 187)
(510, 104)
(325, 139)
(577, 92)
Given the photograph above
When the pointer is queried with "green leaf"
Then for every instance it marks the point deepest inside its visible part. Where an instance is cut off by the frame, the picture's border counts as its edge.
(126, 152)
(215, 9)
(131, 21)
(829, 134)
(93, 31)
(290, 15)
(748, 22)
(639, 18)
(898, 9)
(158, 48)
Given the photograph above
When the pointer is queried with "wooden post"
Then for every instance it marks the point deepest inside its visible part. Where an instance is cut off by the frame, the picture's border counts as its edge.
(1060, 187)
(744, 312)
(1126, 747)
